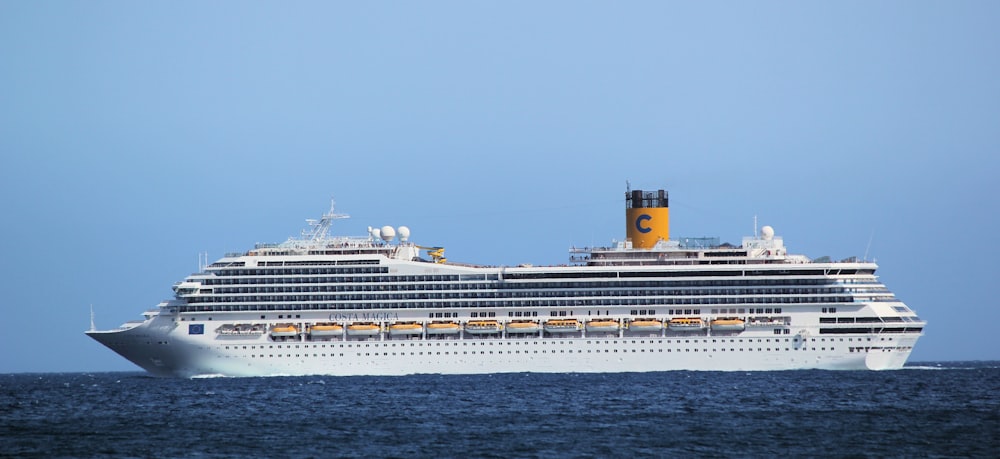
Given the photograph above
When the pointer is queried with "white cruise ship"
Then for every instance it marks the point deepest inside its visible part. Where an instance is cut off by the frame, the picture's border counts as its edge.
(382, 305)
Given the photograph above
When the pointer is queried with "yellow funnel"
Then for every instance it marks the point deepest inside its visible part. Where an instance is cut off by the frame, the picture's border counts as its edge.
(647, 218)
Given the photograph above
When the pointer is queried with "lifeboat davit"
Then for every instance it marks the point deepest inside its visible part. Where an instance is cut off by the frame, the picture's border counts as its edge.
(483, 327)
(523, 326)
(406, 328)
(728, 324)
(363, 329)
(602, 326)
(284, 330)
(443, 327)
(562, 325)
(645, 325)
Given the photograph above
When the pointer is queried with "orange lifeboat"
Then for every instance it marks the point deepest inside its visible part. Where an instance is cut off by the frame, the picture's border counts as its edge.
(523, 326)
(406, 328)
(326, 329)
(645, 325)
(443, 327)
(363, 329)
(284, 330)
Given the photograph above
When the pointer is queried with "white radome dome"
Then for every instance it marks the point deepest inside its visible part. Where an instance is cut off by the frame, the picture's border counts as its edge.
(767, 232)
(404, 233)
(388, 233)
(375, 233)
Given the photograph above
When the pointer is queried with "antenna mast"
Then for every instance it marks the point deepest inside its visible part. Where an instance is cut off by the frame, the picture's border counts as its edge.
(869, 245)
(92, 327)
(320, 228)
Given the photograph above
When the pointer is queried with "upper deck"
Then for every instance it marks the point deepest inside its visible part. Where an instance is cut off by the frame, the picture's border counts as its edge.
(764, 248)
(316, 240)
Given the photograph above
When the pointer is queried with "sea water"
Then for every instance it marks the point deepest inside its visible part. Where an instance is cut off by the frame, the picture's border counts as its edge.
(946, 409)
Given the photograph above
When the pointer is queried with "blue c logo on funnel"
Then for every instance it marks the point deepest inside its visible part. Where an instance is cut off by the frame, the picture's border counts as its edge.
(639, 221)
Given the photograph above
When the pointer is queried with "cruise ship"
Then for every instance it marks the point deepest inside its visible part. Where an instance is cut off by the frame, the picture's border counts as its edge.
(381, 305)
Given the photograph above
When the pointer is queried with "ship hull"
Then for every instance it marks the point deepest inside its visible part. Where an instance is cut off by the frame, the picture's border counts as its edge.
(167, 351)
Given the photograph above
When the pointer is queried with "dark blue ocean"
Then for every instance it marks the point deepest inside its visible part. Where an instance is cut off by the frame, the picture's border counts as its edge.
(947, 409)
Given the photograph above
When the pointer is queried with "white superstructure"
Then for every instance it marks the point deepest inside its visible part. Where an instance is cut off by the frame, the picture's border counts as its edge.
(373, 306)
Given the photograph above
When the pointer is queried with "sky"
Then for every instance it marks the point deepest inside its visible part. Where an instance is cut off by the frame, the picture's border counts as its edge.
(136, 135)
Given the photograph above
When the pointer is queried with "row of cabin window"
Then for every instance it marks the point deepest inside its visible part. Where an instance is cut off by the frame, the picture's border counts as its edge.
(241, 304)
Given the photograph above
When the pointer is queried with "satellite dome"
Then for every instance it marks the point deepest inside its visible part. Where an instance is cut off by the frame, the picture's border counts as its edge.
(767, 232)
(388, 233)
(404, 233)
(375, 233)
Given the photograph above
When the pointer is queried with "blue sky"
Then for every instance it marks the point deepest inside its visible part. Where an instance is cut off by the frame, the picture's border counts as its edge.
(136, 135)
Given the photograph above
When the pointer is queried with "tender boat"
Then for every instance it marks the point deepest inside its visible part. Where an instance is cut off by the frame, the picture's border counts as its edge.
(686, 324)
(483, 327)
(562, 325)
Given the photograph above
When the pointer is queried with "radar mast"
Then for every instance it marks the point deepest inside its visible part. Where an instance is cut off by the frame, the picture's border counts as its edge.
(320, 229)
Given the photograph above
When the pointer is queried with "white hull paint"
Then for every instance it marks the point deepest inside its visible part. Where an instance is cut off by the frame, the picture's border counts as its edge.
(166, 351)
